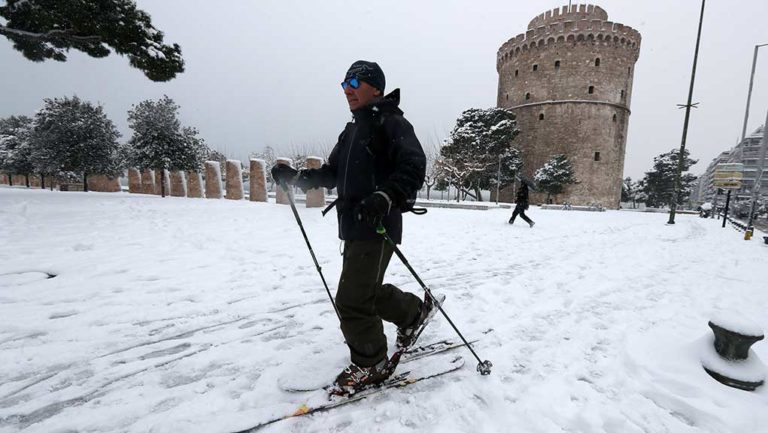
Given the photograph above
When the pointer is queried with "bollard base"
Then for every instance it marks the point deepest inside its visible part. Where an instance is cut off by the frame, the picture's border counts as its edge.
(734, 383)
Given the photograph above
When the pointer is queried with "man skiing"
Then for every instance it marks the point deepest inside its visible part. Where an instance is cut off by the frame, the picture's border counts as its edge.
(521, 204)
(376, 166)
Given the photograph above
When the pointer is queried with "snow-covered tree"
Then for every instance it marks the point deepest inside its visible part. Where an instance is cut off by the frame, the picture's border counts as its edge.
(659, 183)
(47, 29)
(15, 149)
(74, 136)
(480, 140)
(629, 191)
(159, 142)
(555, 175)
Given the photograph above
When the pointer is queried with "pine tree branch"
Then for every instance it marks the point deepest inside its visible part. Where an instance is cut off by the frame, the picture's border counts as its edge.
(49, 36)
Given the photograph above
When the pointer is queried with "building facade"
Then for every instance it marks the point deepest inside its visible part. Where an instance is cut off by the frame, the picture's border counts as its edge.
(746, 152)
(568, 80)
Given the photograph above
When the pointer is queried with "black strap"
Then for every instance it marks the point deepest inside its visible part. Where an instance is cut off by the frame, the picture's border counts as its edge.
(419, 210)
(330, 206)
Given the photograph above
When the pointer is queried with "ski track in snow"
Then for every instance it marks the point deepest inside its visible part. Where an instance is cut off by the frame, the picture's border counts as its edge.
(170, 315)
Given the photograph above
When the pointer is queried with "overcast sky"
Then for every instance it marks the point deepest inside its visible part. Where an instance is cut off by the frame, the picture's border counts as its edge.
(267, 72)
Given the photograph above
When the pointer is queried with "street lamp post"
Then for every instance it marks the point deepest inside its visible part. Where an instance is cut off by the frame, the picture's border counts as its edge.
(749, 93)
(681, 156)
(759, 178)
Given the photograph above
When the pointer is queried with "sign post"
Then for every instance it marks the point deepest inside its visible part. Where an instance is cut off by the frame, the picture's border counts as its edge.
(728, 176)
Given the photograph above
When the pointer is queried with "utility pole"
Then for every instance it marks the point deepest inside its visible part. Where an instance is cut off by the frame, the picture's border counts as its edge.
(681, 157)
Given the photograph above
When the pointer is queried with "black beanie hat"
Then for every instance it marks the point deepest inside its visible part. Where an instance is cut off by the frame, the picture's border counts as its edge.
(370, 72)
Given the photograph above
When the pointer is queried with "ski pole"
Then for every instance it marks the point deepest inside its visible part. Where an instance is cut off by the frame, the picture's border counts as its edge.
(304, 233)
(484, 367)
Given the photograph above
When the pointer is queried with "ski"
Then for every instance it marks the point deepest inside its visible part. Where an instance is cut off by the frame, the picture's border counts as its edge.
(399, 380)
(413, 354)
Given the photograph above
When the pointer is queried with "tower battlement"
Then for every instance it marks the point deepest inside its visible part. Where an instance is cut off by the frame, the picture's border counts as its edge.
(581, 31)
(576, 13)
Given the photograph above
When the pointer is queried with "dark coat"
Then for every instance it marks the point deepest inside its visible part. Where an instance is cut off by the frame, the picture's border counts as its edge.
(378, 151)
(522, 197)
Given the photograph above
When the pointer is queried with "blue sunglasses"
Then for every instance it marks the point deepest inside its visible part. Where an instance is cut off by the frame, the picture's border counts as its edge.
(352, 82)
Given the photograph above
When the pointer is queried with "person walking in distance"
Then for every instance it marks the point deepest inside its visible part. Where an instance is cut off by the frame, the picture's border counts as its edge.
(377, 166)
(521, 204)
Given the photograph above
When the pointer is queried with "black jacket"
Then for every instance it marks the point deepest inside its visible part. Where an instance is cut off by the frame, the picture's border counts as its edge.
(378, 151)
(522, 196)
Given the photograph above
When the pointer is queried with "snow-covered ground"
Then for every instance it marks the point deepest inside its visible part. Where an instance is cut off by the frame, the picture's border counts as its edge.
(183, 315)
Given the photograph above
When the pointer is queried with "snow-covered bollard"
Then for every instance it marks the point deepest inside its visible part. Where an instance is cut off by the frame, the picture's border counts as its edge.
(258, 180)
(212, 179)
(234, 180)
(103, 183)
(732, 362)
(315, 197)
(280, 196)
(148, 182)
(178, 184)
(162, 182)
(134, 181)
(194, 184)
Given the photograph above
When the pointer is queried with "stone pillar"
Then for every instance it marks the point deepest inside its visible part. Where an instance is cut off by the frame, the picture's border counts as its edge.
(148, 182)
(134, 181)
(158, 184)
(102, 183)
(3, 179)
(34, 181)
(234, 180)
(315, 197)
(280, 196)
(178, 184)
(212, 179)
(194, 184)
(258, 180)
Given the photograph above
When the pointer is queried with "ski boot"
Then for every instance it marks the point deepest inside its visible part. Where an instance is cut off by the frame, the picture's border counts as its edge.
(407, 336)
(355, 378)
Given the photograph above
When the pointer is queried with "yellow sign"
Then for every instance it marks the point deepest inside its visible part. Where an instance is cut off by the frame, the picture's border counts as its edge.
(729, 175)
(727, 184)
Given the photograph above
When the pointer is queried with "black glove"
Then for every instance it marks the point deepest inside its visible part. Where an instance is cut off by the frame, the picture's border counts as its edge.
(373, 208)
(284, 174)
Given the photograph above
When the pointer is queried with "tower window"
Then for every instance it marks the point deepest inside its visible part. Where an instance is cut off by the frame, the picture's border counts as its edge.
(527, 96)
(591, 89)
(622, 95)
(516, 71)
(535, 67)
(508, 98)
(597, 61)
(597, 156)
(629, 70)
(541, 116)
(557, 64)
(614, 117)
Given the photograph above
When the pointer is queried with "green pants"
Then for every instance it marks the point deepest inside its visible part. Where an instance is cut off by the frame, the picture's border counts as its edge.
(363, 301)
